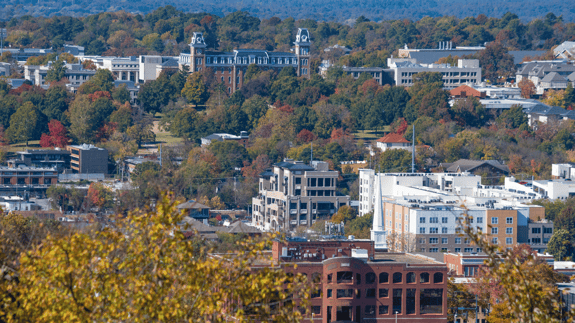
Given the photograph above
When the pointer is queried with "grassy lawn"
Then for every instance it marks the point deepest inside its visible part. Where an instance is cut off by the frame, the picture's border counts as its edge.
(167, 138)
(32, 144)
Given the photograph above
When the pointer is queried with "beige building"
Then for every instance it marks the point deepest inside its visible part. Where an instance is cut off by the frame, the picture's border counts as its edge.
(294, 194)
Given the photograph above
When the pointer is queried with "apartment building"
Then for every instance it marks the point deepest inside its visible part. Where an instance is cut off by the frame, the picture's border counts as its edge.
(294, 194)
(230, 67)
(88, 159)
(356, 283)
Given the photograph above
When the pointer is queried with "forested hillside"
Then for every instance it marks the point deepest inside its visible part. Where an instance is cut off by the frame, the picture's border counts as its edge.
(323, 10)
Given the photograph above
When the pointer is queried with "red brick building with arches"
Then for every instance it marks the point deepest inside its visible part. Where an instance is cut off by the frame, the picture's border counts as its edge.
(358, 284)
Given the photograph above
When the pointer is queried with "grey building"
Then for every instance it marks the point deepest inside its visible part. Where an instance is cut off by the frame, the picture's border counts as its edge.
(538, 234)
(88, 159)
(43, 158)
(294, 194)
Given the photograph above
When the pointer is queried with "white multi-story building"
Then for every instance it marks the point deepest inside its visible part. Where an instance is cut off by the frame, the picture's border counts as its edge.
(294, 194)
(467, 71)
(123, 68)
(422, 212)
(75, 74)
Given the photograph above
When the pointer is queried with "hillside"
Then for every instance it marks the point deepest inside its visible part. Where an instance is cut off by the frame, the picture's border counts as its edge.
(326, 10)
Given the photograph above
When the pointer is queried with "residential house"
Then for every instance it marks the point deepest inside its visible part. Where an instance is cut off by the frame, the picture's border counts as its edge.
(392, 141)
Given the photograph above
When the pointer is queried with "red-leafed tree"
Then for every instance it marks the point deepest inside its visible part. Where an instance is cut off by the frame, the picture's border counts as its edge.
(399, 126)
(306, 136)
(58, 135)
(100, 94)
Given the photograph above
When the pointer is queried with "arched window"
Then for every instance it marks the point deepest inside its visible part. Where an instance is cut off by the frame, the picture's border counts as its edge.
(424, 278)
(397, 278)
(410, 278)
(383, 278)
(316, 278)
(370, 278)
(437, 278)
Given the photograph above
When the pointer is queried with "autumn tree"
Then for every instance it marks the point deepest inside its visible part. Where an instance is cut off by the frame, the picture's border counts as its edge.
(24, 124)
(146, 266)
(527, 88)
(195, 90)
(57, 137)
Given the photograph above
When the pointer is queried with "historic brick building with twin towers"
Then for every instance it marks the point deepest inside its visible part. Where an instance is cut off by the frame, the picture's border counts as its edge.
(230, 67)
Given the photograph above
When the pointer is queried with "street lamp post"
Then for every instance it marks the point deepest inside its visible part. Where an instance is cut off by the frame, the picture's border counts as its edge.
(396, 316)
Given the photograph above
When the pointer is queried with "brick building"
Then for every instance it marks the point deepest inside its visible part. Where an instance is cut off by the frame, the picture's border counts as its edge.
(29, 176)
(358, 284)
(230, 67)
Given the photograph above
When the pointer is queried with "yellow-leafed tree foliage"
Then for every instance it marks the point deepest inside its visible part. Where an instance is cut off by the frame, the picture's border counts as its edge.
(145, 267)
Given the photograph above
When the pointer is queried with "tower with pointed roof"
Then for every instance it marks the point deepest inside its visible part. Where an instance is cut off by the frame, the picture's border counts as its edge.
(302, 50)
(378, 232)
(197, 52)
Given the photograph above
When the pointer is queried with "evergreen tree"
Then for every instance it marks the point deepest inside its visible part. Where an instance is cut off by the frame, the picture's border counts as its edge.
(24, 124)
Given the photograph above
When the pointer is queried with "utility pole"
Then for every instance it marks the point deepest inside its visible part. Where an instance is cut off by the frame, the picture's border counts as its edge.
(413, 150)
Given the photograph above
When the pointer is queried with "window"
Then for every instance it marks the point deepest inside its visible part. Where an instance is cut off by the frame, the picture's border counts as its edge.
(422, 230)
(316, 310)
(369, 310)
(410, 301)
(444, 241)
(535, 230)
(422, 240)
(383, 309)
(329, 278)
(494, 241)
(443, 230)
(433, 230)
(479, 250)
(370, 293)
(329, 293)
(358, 293)
(422, 220)
(469, 271)
(468, 250)
(509, 220)
(344, 277)
(457, 249)
(433, 249)
(424, 278)
(508, 240)
(547, 230)
(536, 241)
(494, 220)
(466, 241)
(479, 219)
(383, 292)
(344, 293)
(397, 278)
(509, 230)
(431, 301)
(494, 230)
(397, 301)
(383, 278)
(437, 278)
(433, 240)
(433, 220)
(370, 278)
(298, 180)
(410, 278)
(457, 240)
(444, 220)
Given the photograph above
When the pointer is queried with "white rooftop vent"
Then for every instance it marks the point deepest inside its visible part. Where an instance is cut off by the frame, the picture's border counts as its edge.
(359, 253)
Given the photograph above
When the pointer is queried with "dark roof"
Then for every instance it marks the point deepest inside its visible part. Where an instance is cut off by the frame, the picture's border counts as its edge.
(170, 63)
(267, 174)
(553, 77)
(292, 166)
(467, 165)
(44, 151)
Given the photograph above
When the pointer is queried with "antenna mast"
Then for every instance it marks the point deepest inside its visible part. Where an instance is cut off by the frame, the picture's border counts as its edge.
(413, 149)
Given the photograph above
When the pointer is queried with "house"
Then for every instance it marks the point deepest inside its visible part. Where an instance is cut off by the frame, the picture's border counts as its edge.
(546, 75)
(542, 113)
(392, 141)
(490, 170)
(196, 210)
(565, 51)
(242, 139)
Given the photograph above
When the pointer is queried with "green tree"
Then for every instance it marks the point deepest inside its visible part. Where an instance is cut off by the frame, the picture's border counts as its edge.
(561, 246)
(395, 160)
(56, 103)
(251, 73)
(122, 117)
(185, 123)
(156, 94)
(255, 108)
(513, 118)
(103, 80)
(24, 124)
(345, 214)
(121, 94)
(195, 90)
(56, 72)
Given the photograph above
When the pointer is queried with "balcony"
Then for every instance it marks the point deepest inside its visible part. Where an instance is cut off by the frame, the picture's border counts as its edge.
(294, 222)
(303, 222)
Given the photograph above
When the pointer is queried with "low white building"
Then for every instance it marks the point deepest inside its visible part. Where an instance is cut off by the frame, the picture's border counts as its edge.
(392, 141)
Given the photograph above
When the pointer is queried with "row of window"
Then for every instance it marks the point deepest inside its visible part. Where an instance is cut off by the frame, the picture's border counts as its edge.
(252, 60)
(469, 250)
(346, 277)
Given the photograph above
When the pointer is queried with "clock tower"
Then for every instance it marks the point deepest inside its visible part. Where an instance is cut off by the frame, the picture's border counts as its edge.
(302, 49)
(197, 53)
